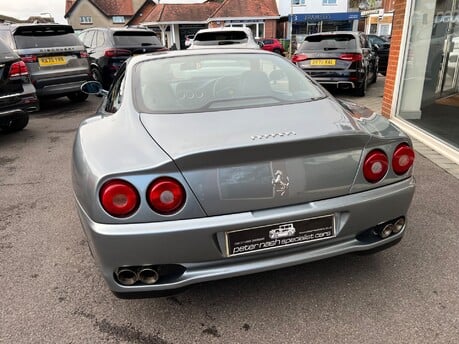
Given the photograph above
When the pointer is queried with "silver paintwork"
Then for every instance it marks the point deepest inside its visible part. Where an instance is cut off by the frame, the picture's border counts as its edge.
(230, 179)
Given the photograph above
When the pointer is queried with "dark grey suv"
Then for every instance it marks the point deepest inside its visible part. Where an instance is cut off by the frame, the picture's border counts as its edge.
(17, 94)
(341, 59)
(56, 59)
(108, 48)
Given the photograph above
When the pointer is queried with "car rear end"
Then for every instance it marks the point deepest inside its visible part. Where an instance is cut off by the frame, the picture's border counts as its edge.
(56, 59)
(17, 94)
(332, 59)
(126, 43)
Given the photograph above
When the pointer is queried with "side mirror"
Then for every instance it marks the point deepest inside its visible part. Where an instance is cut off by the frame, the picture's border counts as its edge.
(261, 44)
(93, 87)
(375, 47)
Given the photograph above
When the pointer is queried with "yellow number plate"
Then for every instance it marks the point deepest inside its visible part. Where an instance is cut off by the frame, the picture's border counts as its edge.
(323, 62)
(52, 61)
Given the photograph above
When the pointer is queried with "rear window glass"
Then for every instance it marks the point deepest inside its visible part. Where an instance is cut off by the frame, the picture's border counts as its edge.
(4, 49)
(220, 37)
(202, 83)
(45, 36)
(130, 38)
(328, 42)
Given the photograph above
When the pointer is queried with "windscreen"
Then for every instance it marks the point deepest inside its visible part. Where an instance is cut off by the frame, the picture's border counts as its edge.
(214, 82)
(136, 38)
(45, 36)
(328, 42)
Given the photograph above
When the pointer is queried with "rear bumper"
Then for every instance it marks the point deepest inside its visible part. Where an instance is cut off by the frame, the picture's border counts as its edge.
(54, 86)
(17, 104)
(198, 245)
(338, 78)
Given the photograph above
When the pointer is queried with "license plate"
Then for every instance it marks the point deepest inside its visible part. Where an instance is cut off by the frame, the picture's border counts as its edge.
(323, 62)
(52, 61)
(279, 235)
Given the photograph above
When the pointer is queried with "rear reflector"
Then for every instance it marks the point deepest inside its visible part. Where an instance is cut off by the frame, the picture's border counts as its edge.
(165, 195)
(375, 166)
(119, 198)
(299, 57)
(18, 69)
(403, 159)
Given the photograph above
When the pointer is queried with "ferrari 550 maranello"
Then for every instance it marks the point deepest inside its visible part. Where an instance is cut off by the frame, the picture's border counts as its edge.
(208, 164)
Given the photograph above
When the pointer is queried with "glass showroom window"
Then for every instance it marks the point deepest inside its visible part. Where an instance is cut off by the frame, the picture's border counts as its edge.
(298, 2)
(429, 96)
(329, 2)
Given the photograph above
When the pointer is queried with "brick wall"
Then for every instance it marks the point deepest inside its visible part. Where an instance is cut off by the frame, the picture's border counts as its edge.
(395, 42)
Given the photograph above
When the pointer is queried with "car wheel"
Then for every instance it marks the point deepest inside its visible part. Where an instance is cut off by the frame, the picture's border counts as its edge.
(77, 97)
(16, 124)
(277, 51)
(361, 89)
(96, 76)
(375, 76)
(383, 73)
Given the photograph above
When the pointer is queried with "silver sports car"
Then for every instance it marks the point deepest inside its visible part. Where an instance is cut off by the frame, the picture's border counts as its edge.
(207, 164)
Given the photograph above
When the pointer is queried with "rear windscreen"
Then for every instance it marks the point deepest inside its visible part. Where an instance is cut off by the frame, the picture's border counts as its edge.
(221, 36)
(329, 42)
(141, 39)
(45, 36)
(4, 49)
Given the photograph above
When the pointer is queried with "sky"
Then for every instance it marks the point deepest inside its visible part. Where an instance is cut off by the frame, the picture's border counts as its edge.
(23, 9)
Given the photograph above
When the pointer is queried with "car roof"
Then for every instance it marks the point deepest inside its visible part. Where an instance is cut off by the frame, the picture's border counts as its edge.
(354, 33)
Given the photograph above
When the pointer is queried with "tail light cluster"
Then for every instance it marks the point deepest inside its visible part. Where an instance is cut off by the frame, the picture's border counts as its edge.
(299, 57)
(117, 53)
(17, 70)
(376, 162)
(120, 198)
(353, 57)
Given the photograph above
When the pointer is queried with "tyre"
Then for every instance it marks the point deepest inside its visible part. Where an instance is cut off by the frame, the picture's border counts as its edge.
(77, 97)
(16, 124)
(361, 89)
(277, 51)
(375, 76)
(96, 76)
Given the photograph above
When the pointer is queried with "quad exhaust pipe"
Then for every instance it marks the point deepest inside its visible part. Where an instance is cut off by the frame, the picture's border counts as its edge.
(391, 227)
(131, 275)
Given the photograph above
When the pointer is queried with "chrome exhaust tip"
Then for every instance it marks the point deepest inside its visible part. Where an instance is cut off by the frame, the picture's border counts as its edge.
(399, 225)
(386, 230)
(127, 276)
(148, 275)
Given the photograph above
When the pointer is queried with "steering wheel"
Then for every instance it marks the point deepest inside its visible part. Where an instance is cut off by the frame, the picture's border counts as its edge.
(226, 87)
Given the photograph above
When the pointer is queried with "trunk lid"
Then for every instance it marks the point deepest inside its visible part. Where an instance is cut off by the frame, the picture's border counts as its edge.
(259, 158)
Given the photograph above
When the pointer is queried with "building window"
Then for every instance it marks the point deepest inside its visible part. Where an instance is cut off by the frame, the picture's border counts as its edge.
(118, 19)
(85, 20)
(328, 2)
(298, 2)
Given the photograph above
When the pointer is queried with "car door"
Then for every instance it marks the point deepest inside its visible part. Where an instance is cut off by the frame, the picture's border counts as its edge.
(370, 59)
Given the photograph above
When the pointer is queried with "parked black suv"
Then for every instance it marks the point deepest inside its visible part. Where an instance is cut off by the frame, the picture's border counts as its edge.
(56, 59)
(382, 48)
(342, 59)
(108, 48)
(17, 94)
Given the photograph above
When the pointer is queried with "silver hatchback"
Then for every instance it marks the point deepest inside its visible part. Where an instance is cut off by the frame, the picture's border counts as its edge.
(56, 59)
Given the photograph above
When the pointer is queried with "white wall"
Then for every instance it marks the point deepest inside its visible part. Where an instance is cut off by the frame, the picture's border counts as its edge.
(311, 6)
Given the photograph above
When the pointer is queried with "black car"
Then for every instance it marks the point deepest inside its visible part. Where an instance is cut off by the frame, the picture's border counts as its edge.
(382, 47)
(342, 59)
(56, 59)
(17, 94)
(108, 48)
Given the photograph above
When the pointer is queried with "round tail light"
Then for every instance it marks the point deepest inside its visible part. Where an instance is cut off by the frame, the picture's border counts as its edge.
(375, 166)
(403, 158)
(119, 198)
(166, 195)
